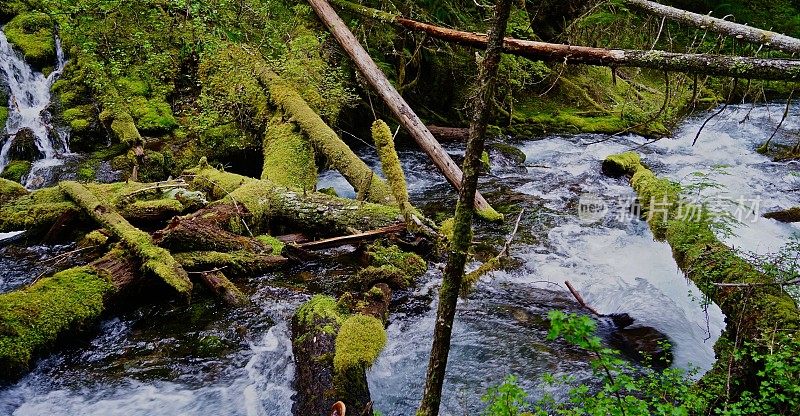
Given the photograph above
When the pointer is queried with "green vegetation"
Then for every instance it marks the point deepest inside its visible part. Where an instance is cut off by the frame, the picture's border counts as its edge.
(16, 170)
(32, 33)
(359, 342)
(33, 318)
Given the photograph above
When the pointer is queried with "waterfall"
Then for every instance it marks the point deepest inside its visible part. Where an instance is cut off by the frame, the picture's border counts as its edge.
(27, 106)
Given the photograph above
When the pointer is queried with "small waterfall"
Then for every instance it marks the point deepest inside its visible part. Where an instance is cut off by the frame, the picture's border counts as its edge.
(27, 106)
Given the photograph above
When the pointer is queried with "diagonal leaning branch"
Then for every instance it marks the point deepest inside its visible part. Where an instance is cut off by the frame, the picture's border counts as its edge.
(401, 110)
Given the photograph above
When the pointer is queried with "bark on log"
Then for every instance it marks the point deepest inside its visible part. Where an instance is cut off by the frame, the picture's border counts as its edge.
(449, 134)
(223, 288)
(390, 162)
(703, 64)
(259, 205)
(401, 110)
(755, 35)
(155, 260)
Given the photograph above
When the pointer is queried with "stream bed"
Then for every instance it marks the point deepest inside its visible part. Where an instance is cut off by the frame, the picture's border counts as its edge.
(204, 359)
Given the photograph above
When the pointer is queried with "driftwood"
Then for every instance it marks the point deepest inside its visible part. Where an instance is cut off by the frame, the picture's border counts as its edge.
(751, 34)
(787, 215)
(155, 260)
(353, 238)
(401, 110)
(703, 64)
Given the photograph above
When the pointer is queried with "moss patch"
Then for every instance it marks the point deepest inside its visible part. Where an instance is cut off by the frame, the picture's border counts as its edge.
(33, 318)
(384, 142)
(10, 190)
(32, 34)
(277, 245)
(16, 170)
(621, 164)
(409, 263)
(288, 157)
(3, 116)
(359, 342)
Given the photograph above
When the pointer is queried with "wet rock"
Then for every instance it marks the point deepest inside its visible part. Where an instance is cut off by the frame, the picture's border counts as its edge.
(23, 146)
(643, 344)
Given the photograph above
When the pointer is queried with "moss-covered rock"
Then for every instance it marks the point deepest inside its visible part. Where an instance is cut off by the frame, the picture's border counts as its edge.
(33, 318)
(10, 190)
(16, 170)
(358, 344)
(32, 34)
(3, 115)
(411, 264)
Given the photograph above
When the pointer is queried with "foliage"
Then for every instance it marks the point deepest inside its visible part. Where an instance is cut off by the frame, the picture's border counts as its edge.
(359, 342)
(506, 399)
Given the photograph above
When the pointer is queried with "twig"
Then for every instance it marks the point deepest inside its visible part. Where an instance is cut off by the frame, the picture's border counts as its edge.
(733, 91)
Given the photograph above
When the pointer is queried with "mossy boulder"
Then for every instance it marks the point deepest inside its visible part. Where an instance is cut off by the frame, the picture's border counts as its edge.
(153, 116)
(10, 190)
(16, 170)
(23, 146)
(411, 264)
(32, 319)
(621, 164)
(32, 34)
(3, 114)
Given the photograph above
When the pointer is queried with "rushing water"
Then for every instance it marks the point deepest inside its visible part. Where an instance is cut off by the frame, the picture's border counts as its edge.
(28, 101)
(148, 362)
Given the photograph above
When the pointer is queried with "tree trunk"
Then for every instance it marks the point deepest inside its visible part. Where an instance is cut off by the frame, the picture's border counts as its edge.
(155, 260)
(787, 215)
(449, 134)
(255, 206)
(755, 35)
(401, 110)
(223, 288)
(462, 228)
(703, 64)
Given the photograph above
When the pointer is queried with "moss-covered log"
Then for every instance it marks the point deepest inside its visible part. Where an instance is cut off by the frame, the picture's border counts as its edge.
(753, 311)
(155, 260)
(314, 329)
(324, 140)
(288, 156)
(33, 319)
(384, 142)
(222, 288)
(236, 263)
(260, 204)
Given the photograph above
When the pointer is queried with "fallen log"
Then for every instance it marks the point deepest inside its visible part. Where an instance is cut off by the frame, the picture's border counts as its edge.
(401, 110)
(324, 140)
(751, 34)
(254, 206)
(34, 318)
(449, 134)
(235, 263)
(353, 238)
(787, 215)
(222, 288)
(753, 313)
(155, 260)
(390, 162)
(703, 64)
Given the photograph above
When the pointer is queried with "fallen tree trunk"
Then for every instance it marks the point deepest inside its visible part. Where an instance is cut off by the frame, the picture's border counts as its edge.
(401, 110)
(155, 260)
(324, 140)
(254, 206)
(449, 134)
(34, 318)
(787, 215)
(235, 263)
(755, 35)
(703, 64)
(753, 311)
(223, 288)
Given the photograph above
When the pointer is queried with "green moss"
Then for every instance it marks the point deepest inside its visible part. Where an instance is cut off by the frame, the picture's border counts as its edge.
(288, 157)
(148, 209)
(33, 318)
(626, 163)
(486, 164)
(489, 214)
(446, 228)
(277, 245)
(16, 170)
(409, 263)
(320, 313)
(133, 86)
(3, 116)
(359, 343)
(156, 260)
(123, 127)
(367, 277)
(152, 116)
(10, 190)
(384, 142)
(32, 33)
